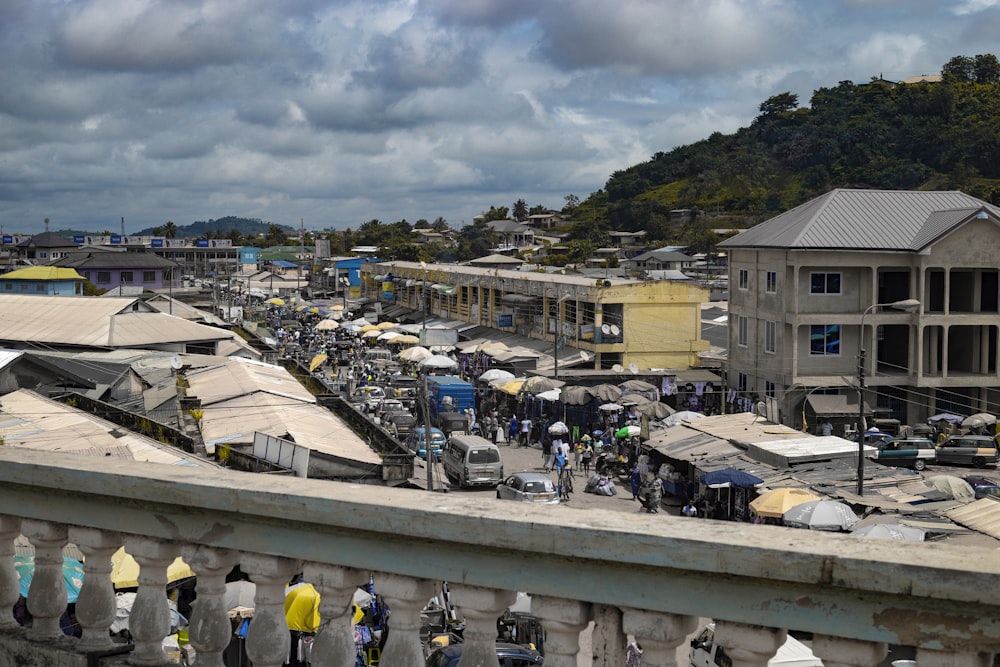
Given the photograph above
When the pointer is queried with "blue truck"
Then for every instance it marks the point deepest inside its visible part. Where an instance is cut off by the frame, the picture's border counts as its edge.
(448, 393)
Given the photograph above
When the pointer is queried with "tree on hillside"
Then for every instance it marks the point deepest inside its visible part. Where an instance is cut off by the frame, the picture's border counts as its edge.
(495, 213)
(538, 209)
(779, 104)
(170, 229)
(572, 201)
(520, 210)
(440, 225)
(276, 235)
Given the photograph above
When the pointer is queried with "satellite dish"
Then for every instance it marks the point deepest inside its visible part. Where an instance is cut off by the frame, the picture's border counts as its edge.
(605, 329)
(175, 362)
(634, 368)
(615, 330)
(617, 368)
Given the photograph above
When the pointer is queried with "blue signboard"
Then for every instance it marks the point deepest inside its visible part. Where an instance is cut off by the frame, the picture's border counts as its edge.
(156, 243)
(505, 321)
(76, 239)
(7, 238)
(201, 243)
(116, 239)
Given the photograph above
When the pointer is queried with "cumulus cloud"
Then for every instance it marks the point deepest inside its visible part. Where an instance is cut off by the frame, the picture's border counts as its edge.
(339, 111)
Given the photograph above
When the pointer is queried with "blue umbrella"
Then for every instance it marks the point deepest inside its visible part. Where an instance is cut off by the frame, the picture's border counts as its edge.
(72, 575)
(730, 477)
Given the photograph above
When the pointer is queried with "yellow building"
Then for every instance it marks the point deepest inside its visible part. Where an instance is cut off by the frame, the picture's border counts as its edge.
(652, 324)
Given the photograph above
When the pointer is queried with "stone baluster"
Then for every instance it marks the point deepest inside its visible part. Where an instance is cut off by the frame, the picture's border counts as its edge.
(334, 643)
(930, 658)
(149, 621)
(658, 633)
(842, 652)
(47, 596)
(209, 627)
(480, 607)
(268, 640)
(95, 608)
(405, 597)
(10, 588)
(607, 640)
(749, 645)
(563, 620)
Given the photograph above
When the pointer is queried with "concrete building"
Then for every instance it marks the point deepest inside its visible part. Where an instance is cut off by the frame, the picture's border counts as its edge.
(110, 269)
(652, 324)
(47, 280)
(811, 293)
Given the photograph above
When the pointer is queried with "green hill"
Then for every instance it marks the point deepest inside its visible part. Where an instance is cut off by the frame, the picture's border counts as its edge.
(940, 135)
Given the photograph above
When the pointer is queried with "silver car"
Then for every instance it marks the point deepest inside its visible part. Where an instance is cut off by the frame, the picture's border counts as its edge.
(529, 486)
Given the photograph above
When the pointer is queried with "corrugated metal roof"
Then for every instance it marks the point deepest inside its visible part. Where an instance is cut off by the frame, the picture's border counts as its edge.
(686, 444)
(42, 273)
(803, 449)
(982, 516)
(238, 377)
(861, 220)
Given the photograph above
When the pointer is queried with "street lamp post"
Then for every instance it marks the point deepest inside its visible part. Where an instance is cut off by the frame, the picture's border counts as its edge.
(906, 305)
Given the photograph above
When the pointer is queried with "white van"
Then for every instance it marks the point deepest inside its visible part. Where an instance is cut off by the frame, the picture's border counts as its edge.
(470, 460)
(705, 652)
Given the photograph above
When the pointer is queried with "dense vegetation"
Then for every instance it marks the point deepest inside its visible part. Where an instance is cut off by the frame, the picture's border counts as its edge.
(934, 135)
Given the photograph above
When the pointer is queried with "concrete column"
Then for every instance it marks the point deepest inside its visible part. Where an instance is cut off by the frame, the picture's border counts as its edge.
(47, 596)
(10, 528)
(947, 292)
(406, 597)
(334, 644)
(480, 607)
(563, 621)
(984, 349)
(607, 640)
(95, 607)
(210, 629)
(268, 641)
(841, 652)
(933, 357)
(149, 621)
(749, 645)
(944, 350)
(659, 634)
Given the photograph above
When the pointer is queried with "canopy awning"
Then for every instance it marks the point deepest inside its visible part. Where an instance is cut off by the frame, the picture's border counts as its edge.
(836, 405)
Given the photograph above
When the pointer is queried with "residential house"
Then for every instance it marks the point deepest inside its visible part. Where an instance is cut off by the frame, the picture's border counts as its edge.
(45, 247)
(663, 259)
(512, 234)
(546, 220)
(811, 306)
(48, 280)
(111, 269)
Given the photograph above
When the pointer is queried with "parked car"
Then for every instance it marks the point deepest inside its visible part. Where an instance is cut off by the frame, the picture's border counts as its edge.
(974, 450)
(913, 453)
(528, 486)
(368, 397)
(417, 442)
(387, 405)
(400, 423)
(508, 655)
(983, 487)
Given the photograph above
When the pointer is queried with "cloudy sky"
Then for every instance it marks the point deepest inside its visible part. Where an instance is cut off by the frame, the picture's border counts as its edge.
(336, 112)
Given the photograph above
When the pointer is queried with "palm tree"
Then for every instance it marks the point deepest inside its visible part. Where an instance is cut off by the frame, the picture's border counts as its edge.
(170, 229)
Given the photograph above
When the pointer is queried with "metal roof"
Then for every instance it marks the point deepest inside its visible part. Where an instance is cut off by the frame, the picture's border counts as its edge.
(982, 516)
(863, 220)
(239, 377)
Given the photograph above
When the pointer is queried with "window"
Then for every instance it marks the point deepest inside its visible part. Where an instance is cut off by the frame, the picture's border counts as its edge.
(103, 277)
(770, 390)
(149, 276)
(40, 288)
(741, 330)
(8, 287)
(824, 339)
(770, 333)
(24, 287)
(824, 283)
(744, 279)
(771, 285)
(742, 381)
(127, 277)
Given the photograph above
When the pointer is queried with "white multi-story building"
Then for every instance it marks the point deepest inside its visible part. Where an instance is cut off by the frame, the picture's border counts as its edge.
(812, 293)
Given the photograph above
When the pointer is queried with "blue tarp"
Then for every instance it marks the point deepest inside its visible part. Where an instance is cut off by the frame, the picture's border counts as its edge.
(283, 264)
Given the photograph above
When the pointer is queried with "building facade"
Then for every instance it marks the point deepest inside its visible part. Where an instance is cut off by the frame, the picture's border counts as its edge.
(652, 324)
(811, 306)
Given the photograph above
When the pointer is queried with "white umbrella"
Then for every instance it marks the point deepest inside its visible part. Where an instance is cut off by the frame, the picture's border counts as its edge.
(327, 325)
(950, 485)
(558, 428)
(609, 407)
(438, 361)
(683, 415)
(821, 515)
(496, 374)
(891, 531)
(415, 353)
(550, 395)
(389, 335)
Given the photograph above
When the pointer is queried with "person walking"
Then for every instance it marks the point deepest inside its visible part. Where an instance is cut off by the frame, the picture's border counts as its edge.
(635, 480)
(547, 452)
(525, 432)
(586, 457)
(512, 427)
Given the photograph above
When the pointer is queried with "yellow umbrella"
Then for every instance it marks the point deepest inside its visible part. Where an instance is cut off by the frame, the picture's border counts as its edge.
(327, 325)
(492, 347)
(387, 325)
(406, 339)
(125, 570)
(512, 387)
(317, 361)
(275, 301)
(372, 333)
(369, 327)
(302, 608)
(776, 502)
(337, 307)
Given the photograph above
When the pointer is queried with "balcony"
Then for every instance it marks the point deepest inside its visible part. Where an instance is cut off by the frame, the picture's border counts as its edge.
(631, 574)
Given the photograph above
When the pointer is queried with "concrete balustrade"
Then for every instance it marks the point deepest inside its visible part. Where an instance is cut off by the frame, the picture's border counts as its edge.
(646, 576)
